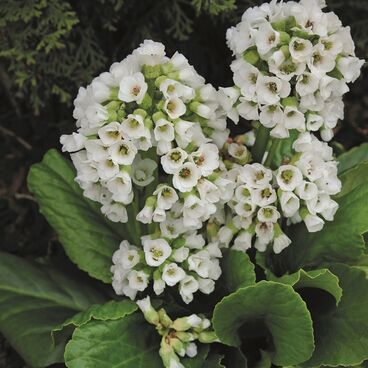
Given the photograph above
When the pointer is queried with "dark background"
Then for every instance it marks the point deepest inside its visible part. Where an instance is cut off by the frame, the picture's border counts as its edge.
(48, 48)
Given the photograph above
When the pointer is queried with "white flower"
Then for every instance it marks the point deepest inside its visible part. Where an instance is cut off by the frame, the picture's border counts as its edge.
(174, 107)
(186, 177)
(268, 214)
(143, 171)
(245, 208)
(239, 152)
(173, 160)
(138, 280)
(133, 88)
(350, 67)
(239, 38)
(293, 118)
(110, 133)
(243, 241)
(264, 232)
(200, 263)
(255, 175)
(159, 215)
(150, 52)
(330, 209)
(289, 203)
(314, 122)
(206, 286)
(271, 115)
(266, 38)
(172, 274)
(313, 223)
(73, 142)
(121, 187)
(245, 77)
(194, 241)
(206, 158)
(164, 130)
(145, 215)
(115, 212)
(300, 49)
(264, 196)
(306, 190)
(307, 83)
(156, 251)
(281, 242)
(107, 169)
(172, 88)
(289, 177)
(166, 197)
(208, 191)
(133, 126)
(194, 210)
(158, 286)
(187, 287)
(122, 153)
(242, 193)
(180, 255)
(321, 62)
(331, 87)
(271, 89)
(248, 109)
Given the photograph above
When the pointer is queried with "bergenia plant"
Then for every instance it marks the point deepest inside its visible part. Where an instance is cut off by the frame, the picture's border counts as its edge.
(205, 249)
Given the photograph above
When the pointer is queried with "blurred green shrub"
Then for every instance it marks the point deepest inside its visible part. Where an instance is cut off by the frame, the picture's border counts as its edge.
(50, 47)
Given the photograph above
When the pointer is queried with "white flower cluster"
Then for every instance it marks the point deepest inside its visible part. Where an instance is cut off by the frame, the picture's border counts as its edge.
(298, 191)
(186, 262)
(178, 336)
(146, 105)
(292, 65)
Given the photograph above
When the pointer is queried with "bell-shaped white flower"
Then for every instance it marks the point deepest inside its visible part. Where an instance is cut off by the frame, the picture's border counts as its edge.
(314, 122)
(243, 241)
(243, 193)
(194, 241)
(288, 177)
(107, 169)
(143, 171)
(180, 255)
(280, 241)
(156, 251)
(206, 158)
(174, 107)
(96, 150)
(293, 118)
(166, 196)
(115, 212)
(266, 38)
(164, 130)
(138, 280)
(306, 190)
(150, 52)
(133, 126)
(271, 115)
(350, 67)
(306, 84)
(268, 214)
(123, 152)
(289, 203)
(245, 208)
(264, 196)
(313, 223)
(73, 142)
(206, 286)
(255, 175)
(110, 133)
(248, 109)
(271, 89)
(300, 49)
(264, 232)
(245, 77)
(172, 274)
(186, 177)
(321, 62)
(133, 88)
(172, 88)
(188, 286)
(121, 187)
(173, 160)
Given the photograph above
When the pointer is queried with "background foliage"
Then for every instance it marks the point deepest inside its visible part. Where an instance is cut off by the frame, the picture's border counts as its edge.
(48, 48)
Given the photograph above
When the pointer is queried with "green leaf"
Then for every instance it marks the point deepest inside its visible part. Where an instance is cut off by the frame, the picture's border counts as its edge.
(88, 237)
(342, 334)
(340, 240)
(199, 360)
(128, 342)
(214, 361)
(322, 279)
(353, 157)
(284, 150)
(237, 269)
(33, 299)
(354, 177)
(108, 311)
(277, 307)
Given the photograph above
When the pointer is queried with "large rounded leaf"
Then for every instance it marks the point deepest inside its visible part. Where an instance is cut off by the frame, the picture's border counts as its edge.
(353, 157)
(33, 299)
(88, 237)
(128, 342)
(342, 334)
(279, 308)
